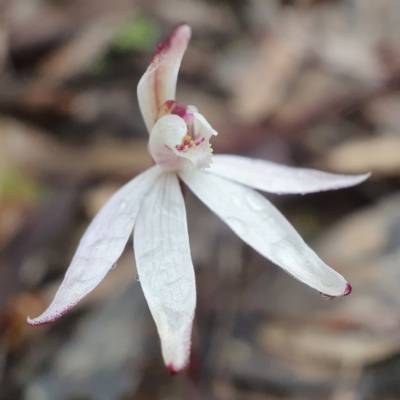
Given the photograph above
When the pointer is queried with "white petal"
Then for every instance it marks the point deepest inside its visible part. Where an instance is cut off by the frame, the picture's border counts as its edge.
(100, 246)
(165, 268)
(202, 126)
(254, 219)
(277, 178)
(200, 156)
(158, 84)
(166, 134)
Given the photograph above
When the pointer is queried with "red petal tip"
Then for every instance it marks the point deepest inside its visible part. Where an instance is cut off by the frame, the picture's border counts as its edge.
(348, 290)
(46, 321)
(171, 369)
(181, 32)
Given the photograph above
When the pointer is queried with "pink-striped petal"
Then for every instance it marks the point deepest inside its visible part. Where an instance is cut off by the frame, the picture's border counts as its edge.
(100, 246)
(165, 268)
(158, 84)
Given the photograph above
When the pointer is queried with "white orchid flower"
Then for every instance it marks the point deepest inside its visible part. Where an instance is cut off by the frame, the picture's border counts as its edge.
(153, 203)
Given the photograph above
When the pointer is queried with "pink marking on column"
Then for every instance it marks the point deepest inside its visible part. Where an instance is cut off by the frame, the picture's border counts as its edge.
(180, 110)
(176, 108)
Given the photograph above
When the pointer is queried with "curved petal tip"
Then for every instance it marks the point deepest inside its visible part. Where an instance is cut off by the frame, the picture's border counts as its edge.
(346, 292)
(181, 34)
(46, 318)
(172, 369)
(362, 178)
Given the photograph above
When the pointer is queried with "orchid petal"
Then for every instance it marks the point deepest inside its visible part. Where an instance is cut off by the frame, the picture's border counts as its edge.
(256, 221)
(168, 138)
(158, 84)
(100, 246)
(165, 268)
(277, 178)
(201, 125)
(166, 134)
(200, 155)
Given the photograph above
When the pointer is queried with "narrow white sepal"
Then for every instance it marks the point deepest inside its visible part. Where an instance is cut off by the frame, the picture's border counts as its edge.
(277, 178)
(101, 245)
(165, 268)
(255, 220)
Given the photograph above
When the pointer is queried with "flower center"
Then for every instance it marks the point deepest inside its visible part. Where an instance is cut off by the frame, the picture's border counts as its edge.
(189, 142)
(180, 138)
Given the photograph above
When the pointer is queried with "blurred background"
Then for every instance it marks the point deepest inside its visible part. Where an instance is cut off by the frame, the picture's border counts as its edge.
(301, 82)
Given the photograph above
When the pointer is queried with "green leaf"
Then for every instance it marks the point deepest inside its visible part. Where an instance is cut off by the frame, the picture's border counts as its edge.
(139, 34)
(20, 188)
